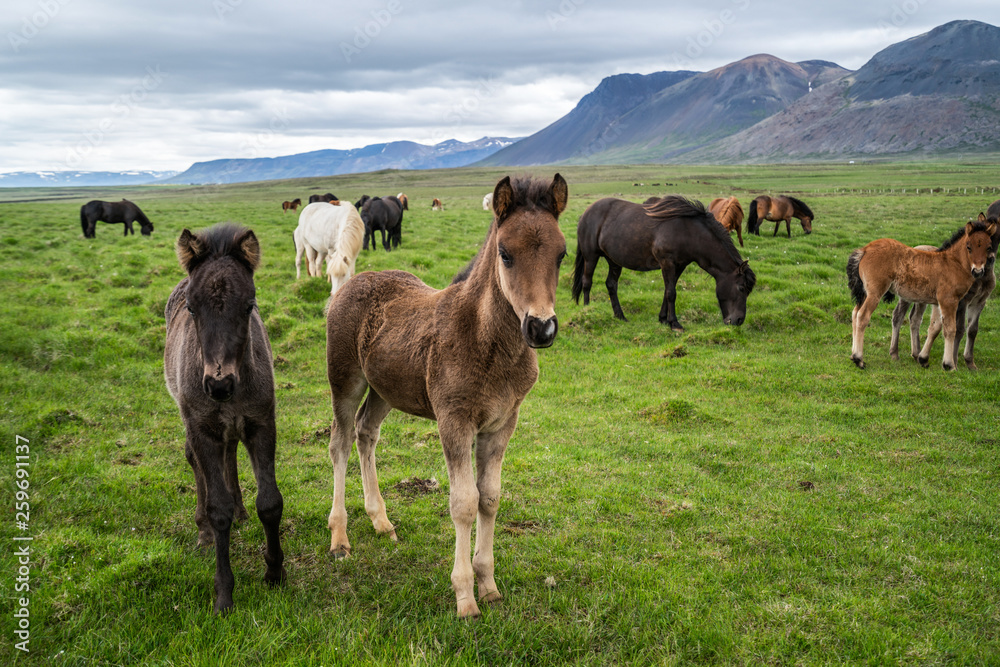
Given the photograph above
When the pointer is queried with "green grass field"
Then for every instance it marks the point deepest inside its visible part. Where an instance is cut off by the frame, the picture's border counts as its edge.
(722, 495)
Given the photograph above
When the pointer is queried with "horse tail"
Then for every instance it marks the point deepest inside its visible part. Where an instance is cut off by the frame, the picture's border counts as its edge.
(348, 246)
(752, 222)
(854, 281)
(83, 219)
(578, 275)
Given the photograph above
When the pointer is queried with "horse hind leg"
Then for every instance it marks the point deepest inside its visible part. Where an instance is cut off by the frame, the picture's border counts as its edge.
(916, 320)
(898, 315)
(342, 435)
(975, 309)
(368, 423)
(859, 322)
(923, 357)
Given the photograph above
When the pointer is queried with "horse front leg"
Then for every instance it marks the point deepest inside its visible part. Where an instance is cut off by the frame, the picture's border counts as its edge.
(668, 314)
(949, 318)
(463, 500)
(614, 272)
(260, 439)
(233, 482)
(933, 329)
(209, 455)
(490, 450)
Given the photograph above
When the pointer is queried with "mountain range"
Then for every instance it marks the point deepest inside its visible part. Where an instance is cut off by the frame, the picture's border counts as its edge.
(937, 93)
(934, 94)
(393, 155)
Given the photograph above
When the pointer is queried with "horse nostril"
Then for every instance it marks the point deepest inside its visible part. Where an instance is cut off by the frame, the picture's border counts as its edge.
(221, 389)
(538, 332)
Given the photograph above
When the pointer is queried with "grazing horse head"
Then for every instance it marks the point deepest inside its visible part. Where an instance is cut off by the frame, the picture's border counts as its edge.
(732, 291)
(220, 298)
(979, 245)
(530, 248)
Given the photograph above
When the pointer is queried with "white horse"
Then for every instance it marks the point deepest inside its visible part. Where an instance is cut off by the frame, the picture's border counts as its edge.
(330, 233)
(488, 202)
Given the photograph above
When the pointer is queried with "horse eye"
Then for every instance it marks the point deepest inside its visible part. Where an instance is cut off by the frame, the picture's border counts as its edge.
(561, 257)
(190, 309)
(505, 257)
(250, 306)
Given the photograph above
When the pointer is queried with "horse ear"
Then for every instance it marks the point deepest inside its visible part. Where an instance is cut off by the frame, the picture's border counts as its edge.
(968, 228)
(560, 192)
(249, 248)
(982, 217)
(991, 227)
(744, 266)
(189, 250)
(503, 197)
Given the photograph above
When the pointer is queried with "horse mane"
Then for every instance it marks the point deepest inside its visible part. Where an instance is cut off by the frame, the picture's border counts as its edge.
(675, 206)
(960, 234)
(993, 212)
(221, 240)
(534, 194)
(800, 205)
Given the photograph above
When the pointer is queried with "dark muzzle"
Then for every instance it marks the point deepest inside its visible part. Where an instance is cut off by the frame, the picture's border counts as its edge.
(978, 273)
(736, 320)
(220, 389)
(539, 333)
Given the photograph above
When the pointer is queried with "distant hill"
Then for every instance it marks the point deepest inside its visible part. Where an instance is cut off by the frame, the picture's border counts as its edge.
(579, 133)
(393, 155)
(35, 179)
(937, 93)
(692, 110)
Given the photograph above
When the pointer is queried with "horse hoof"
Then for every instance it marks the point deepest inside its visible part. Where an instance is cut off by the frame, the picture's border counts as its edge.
(972, 366)
(223, 608)
(468, 608)
(858, 362)
(947, 367)
(894, 357)
(278, 579)
(340, 553)
(924, 361)
(490, 597)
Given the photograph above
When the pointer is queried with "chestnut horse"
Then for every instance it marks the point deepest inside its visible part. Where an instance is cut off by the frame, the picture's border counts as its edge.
(665, 234)
(729, 213)
(777, 209)
(293, 205)
(464, 356)
(436, 205)
(886, 268)
(217, 365)
(969, 309)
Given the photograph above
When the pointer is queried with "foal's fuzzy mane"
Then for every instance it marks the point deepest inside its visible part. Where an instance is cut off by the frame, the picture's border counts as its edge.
(225, 239)
(960, 234)
(532, 194)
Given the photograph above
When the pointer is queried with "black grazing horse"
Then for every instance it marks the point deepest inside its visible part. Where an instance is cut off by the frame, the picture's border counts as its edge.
(328, 197)
(665, 234)
(112, 211)
(384, 214)
(218, 368)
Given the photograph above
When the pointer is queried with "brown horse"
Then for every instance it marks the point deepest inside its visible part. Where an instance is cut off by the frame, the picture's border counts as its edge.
(436, 205)
(886, 267)
(729, 213)
(404, 201)
(293, 205)
(969, 309)
(464, 356)
(777, 209)
(217, 365)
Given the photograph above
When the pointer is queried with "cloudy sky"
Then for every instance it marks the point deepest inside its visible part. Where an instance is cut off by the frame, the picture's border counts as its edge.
(112, 85)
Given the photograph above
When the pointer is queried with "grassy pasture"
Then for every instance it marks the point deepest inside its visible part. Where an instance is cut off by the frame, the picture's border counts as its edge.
(721, 495)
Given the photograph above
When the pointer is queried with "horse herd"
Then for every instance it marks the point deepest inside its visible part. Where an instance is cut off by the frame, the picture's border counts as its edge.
(465, 355)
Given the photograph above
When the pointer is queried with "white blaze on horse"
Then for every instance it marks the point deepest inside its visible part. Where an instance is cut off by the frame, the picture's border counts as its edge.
(332, 234)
